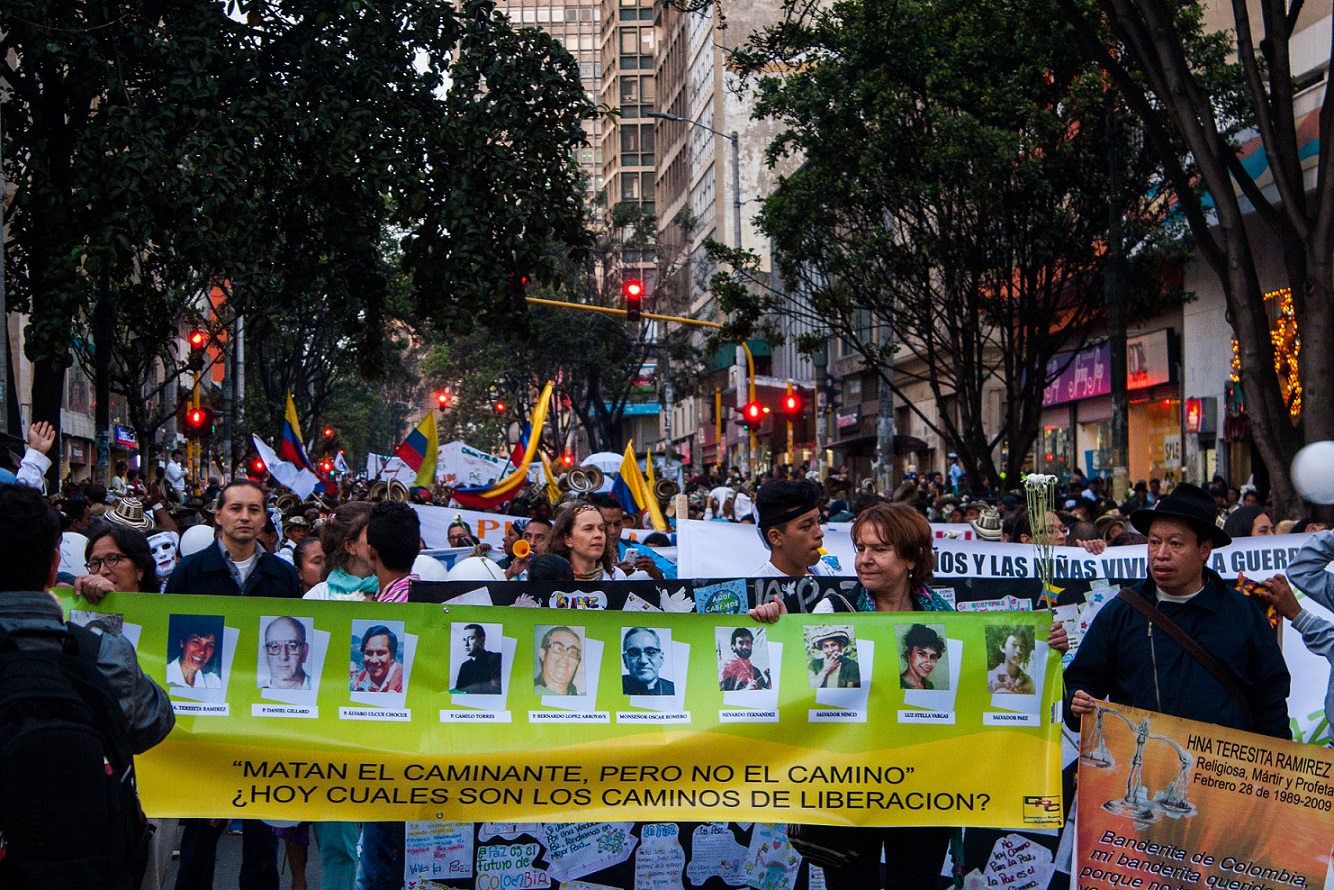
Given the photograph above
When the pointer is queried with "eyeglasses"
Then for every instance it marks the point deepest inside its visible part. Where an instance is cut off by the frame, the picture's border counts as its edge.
(291, 647)
(647, 652)
(111, 560)
(560, 650)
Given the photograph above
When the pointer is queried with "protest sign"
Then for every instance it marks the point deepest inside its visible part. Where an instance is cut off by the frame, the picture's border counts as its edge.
(1170, 803)
(566, 722)
(718, 550)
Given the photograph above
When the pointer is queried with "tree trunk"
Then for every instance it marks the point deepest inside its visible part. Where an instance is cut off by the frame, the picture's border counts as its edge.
(48, 395)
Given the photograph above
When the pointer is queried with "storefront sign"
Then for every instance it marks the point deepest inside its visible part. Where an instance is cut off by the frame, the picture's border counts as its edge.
(125, 438)
(1088, 373)
(847, 418)
(1194, 415)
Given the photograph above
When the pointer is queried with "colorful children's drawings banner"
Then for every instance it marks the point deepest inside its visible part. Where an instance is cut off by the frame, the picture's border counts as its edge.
(1166, 802)
(294, 709)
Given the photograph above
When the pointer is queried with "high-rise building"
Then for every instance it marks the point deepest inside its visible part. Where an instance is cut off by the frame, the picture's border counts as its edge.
(576, 24)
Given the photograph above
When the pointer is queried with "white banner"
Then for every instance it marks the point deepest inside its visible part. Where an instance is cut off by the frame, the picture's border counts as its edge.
(727, 550)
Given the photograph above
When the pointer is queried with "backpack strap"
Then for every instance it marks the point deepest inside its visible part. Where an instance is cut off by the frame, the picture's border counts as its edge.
(1209, 663)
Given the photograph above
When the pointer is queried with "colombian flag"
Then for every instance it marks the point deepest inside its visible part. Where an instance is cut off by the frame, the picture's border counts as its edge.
(487, 497)
(420, 451)
(290, 447)
(633, 493)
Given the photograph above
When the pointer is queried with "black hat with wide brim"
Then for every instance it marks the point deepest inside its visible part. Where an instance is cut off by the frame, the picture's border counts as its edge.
(1189, 503)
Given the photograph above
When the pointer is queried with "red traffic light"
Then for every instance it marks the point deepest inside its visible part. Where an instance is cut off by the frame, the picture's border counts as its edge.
(328, 432)
(751, 414)
(326, 466)
(567, 459)
(500, 407)
(442, 399)
(257, 466)
(633, 290)
(196, 417)
(198, 339)
(792, 404)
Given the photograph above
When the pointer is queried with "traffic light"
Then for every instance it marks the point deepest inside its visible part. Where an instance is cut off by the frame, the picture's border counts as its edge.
(792, 405)
(633, 290)
(257, 467)
(567, 459)
(198, 340)
(197, 421)
(328, 432)
(326, 466)
(752, 413)
(442, 399)
(500, 407)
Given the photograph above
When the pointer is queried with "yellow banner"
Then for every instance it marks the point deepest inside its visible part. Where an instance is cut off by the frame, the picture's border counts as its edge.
(336, 711)
(1171, 803)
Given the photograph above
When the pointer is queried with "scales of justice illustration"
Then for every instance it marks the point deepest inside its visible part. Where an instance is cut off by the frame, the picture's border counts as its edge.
(1138, 804)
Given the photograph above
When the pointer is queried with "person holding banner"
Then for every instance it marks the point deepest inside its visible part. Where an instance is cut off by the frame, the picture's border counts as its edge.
(579, 534)
(1133, 652)
(789, 525)
(894, 563)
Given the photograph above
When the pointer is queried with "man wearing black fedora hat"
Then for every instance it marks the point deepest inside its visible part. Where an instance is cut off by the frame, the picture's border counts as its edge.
(1131, 655)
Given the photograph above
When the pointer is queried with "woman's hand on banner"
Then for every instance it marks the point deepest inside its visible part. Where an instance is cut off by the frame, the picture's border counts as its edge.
(768, 613)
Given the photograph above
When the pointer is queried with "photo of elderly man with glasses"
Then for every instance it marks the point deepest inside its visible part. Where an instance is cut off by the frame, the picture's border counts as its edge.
(642, 653)
(559, 655)
(284, 651)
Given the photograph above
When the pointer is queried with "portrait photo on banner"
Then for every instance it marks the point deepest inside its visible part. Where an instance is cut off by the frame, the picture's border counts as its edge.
(285, 652)
(194, 652)
(475, 659)
(558, 660)
(923, 657)
(1010, 659)
(831, 653)
(646, 662)
(743, 659)
(376, 658)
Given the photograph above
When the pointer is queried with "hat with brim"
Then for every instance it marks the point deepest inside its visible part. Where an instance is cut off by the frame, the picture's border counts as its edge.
(129, 513)
(1108, 518)
(987, 525)
(1189, 503)
(839, 635)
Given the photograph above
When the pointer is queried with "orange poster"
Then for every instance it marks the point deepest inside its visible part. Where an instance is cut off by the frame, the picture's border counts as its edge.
(1171, 804)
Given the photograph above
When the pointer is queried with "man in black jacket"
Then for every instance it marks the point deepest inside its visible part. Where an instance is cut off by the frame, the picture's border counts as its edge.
(234, 565)
(1125, 659)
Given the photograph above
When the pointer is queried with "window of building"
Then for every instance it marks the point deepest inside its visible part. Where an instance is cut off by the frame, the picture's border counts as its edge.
(648, 92)
(646, 189)
(629, 186)
(629, 41)
(630, 89)
(647, 137)
(646, 41)
(630, 138)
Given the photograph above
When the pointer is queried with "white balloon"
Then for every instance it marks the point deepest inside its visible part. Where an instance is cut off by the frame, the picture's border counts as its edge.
(1313, 472)
(476, 568)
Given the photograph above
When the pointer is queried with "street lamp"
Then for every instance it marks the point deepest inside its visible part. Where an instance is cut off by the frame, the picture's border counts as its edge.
(736, 166)
(736, 229)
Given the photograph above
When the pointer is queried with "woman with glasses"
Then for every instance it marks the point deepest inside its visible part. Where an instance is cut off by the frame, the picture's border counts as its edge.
(580, 535)
(118, 558)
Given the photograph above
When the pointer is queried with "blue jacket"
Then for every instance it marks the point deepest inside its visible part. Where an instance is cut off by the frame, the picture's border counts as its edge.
(206, 573)
(1121, 659)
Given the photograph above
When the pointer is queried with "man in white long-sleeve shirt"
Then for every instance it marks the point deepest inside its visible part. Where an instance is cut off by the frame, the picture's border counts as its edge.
(32, 471)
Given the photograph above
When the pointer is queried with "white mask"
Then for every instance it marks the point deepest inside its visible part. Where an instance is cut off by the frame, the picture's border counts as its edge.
(163, 546)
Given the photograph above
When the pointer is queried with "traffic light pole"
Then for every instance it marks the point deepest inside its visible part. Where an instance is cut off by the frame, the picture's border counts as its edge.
(750, 359)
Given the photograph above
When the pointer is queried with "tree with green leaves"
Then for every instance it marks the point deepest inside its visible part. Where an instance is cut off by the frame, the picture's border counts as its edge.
(253, 142)
(1196, 109)
(949, 218)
